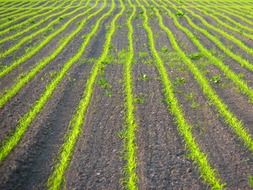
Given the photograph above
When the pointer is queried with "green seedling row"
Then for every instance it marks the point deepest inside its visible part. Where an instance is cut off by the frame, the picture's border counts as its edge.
(25, 22)
(238, 58)
(130, 140)
(226, 25)
(25, 121)
(236, 41)
(33, 35)
(240, 83)
(17, 17)
(234, 11)
(222, 108)
(36, 49)
(25, 14)
(67, 149)
(238, 15)
(28, 21)
(237, 24)
(15, 88)
(11, 11)
(50, 15)
(206, 171)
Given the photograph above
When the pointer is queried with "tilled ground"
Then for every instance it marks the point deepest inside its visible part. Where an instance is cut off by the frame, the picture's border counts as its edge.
(99, 158)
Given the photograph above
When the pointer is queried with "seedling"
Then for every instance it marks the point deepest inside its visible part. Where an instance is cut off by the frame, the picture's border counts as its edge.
(103, 83)
(180, 13)
(192, 98)
(179, 81)
(164, 49)
(139, 99)
(216, 79)
(195, 56)
(143, 54)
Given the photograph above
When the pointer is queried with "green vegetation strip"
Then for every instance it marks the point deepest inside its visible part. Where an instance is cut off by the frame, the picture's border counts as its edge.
(36, 49)
(16, 4)
(221, 107)
(32, 19)
(237, 14)
(10, 12)
(130, 142)
(247, 10)
(224, 24)
(10, 37)
(7, 4)
(14, 89)
(207, 172)
(243, 86)
(67, 149)
(25, 21)
(24, 122)
(238, 58)
(33, 35)
(21, 4)
(221, 14)
(241, 15)
(27, 14)
(233, 39)
(239, 26)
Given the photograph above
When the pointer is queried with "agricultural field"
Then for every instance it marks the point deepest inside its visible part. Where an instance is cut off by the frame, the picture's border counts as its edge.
(126, 94)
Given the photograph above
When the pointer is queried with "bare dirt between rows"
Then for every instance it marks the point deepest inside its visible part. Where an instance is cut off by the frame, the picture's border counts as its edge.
(16, 107)
(98, 159)
(161, 155)
(30, 164)
(225, 152)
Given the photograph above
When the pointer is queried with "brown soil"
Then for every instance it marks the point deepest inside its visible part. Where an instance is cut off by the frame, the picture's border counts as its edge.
(162, 157)
(98, 159)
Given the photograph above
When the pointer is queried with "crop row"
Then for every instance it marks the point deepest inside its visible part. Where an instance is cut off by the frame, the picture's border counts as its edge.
(26, 120)
(239, 26)
(48, 16)
(78, 118)
(129, 136)
(184, 128)
(12, 10)
(26, 21)
(222, 108)
(229, 117)
(42, 44)
(31, 20)
(207, 171)
(26, 14)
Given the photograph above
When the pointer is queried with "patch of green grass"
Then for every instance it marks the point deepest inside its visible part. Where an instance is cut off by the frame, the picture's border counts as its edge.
(216, 79)
(164, 49)
(140, 99)
(105, 85)
(122, 56)
(143, 54)
(195, 56)
(179, 81)
(191, 97)
(180, 13)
